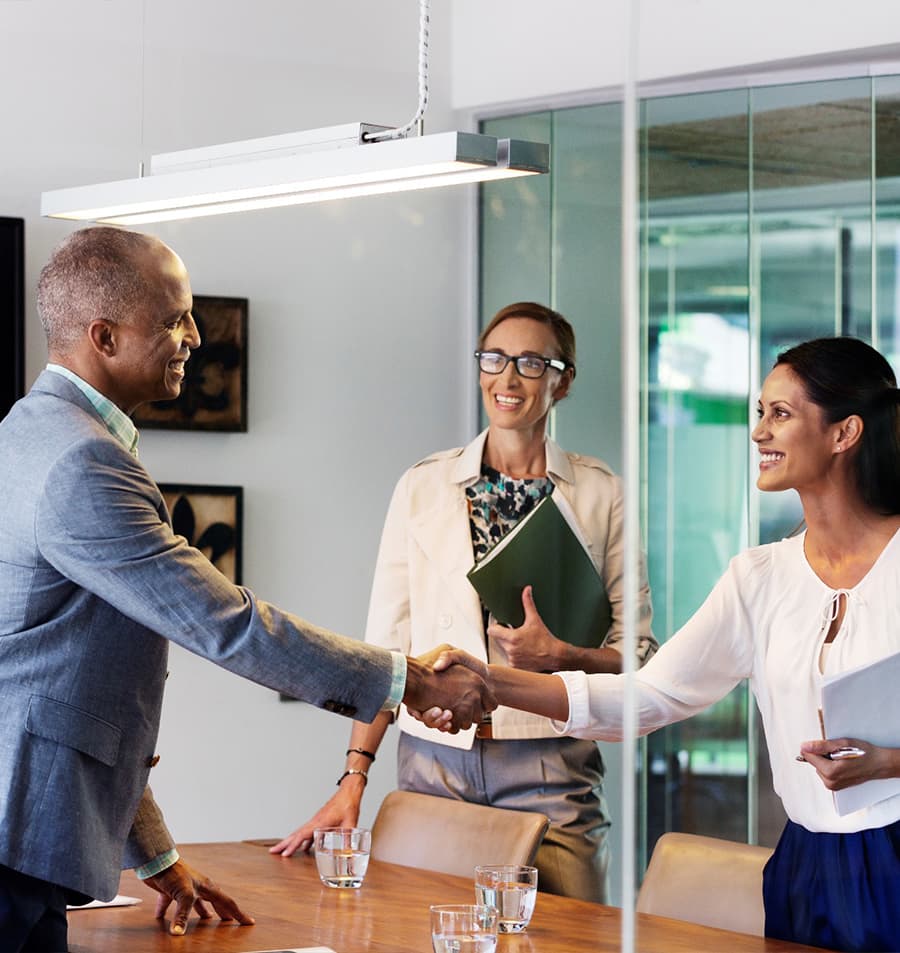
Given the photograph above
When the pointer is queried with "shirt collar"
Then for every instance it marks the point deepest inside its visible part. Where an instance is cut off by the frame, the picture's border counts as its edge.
(468, 465)
(119, 424)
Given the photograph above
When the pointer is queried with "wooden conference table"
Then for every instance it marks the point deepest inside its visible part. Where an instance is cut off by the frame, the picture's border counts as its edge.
(388, 914)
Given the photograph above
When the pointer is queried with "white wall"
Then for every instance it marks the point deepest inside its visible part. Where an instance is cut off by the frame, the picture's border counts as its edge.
(510, 51)
(358, 311)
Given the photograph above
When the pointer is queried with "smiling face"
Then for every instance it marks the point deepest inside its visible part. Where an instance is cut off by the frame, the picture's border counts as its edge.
(154, 341)
(797, 447)
(513, 402)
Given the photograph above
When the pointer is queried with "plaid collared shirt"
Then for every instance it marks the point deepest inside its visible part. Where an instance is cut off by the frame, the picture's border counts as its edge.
(119, 424)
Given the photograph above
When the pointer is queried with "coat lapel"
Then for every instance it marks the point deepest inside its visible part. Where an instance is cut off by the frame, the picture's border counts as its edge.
(441, 529)
(561, 472)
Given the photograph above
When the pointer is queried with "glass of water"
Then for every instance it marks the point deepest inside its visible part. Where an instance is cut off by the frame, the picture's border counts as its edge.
(463, 928)
(512, 889)
(342, 855)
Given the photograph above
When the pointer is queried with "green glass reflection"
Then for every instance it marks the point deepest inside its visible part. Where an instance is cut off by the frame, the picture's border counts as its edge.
(586, 286)
(516, 258)
(887, 217)
(768, 216)
(540, 238)
(539, 241)
(811, 206)
(695, 190)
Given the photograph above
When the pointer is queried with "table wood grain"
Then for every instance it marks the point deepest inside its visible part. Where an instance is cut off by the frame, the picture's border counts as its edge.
(388, 914)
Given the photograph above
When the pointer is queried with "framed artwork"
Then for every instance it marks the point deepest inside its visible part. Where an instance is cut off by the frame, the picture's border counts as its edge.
(214, 392)
(12, 312)
(210, 518)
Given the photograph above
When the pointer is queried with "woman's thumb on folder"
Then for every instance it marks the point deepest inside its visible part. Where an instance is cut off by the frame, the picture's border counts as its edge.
(528, 603)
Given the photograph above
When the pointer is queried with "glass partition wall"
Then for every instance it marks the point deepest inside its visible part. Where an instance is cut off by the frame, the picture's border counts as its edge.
(769, 215)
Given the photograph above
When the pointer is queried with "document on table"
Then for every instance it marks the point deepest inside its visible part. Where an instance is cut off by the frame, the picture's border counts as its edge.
(864, 703)
(118, 901)
(300, 949)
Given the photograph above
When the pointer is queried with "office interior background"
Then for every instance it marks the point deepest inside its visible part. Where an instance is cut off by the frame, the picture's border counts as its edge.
(768, 156)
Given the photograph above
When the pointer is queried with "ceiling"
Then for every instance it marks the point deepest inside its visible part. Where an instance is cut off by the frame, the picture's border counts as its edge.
(793, 147)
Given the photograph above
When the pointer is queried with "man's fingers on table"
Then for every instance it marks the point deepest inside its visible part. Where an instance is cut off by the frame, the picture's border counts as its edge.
(203, 911)
(162, 904)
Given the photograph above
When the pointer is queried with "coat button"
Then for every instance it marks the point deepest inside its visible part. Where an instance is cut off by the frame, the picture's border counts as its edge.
(445, 621)
(153, 762)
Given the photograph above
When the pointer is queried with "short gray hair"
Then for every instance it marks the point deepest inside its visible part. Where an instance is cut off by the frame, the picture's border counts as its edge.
(94, 273)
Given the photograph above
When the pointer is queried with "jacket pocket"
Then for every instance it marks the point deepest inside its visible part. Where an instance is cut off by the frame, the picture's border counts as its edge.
(73, 727)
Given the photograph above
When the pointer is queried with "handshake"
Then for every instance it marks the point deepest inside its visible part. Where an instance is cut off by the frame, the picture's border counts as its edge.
(448, 688)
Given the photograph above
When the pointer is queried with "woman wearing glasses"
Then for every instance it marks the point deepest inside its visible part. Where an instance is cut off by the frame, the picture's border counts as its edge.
(446, 512)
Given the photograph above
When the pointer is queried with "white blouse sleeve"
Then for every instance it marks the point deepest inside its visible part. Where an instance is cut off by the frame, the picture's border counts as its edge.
(700, 664)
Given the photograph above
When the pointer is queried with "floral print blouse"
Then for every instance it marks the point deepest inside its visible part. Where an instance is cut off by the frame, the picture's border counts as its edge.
(497, 502)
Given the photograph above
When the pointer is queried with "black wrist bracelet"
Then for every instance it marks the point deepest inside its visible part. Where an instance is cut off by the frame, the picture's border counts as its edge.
(363, 752)
(365, 776)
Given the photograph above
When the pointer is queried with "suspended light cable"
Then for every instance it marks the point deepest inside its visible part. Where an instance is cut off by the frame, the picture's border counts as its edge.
(417, 121)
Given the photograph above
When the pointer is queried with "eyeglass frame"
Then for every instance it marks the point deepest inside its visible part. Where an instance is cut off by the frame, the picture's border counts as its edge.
(556, 363)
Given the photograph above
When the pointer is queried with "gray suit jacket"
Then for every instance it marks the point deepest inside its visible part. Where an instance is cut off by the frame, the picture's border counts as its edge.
(92, 584)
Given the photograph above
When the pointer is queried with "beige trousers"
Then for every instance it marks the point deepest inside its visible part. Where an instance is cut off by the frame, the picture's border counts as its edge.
(559, 777)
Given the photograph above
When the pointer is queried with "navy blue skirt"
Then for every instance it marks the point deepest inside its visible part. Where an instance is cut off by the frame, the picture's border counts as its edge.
(840, 891)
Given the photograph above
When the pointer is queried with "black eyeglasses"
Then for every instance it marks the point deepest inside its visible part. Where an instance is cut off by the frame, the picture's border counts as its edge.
(527, 365)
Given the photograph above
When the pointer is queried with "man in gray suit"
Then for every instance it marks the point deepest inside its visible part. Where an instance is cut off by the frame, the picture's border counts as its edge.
(93, 582)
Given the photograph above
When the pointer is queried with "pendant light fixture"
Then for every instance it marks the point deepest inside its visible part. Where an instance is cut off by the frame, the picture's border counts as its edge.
(297, 168)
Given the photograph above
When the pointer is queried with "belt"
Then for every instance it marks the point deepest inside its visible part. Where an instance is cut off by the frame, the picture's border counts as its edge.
(484, 731)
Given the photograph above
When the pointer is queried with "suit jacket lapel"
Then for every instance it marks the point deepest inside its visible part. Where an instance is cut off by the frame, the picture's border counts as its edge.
(49, 382)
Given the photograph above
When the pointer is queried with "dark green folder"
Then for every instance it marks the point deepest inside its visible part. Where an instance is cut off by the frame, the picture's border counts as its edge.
(543, 551)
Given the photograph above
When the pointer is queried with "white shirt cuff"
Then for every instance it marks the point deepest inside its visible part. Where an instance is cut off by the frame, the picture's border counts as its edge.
(579, 703)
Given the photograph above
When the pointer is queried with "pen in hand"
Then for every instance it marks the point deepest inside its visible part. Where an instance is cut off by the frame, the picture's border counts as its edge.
(839, 754)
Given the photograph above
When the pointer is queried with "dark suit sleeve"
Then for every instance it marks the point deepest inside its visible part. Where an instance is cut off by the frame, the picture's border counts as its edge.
(101, 524)
(149, 837)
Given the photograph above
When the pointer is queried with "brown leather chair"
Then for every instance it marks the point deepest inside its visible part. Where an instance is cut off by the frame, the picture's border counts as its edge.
(716, 883)
(438, 833)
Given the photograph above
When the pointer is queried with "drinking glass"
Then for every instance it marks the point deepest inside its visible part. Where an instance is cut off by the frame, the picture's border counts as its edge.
(342, 855)
(463, 928)
(512, 889)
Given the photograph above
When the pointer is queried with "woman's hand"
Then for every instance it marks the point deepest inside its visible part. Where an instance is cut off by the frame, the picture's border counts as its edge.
(532, 646)
(340, 810)
(840, 773)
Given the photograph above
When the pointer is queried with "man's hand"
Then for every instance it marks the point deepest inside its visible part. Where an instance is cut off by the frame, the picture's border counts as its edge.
(460, 692)
(531, 646)
(186, 888)
(528, 691)
(341, 810)
(442, 658)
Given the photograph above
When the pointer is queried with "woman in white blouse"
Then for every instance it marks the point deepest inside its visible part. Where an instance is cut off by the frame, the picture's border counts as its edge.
(786, 615)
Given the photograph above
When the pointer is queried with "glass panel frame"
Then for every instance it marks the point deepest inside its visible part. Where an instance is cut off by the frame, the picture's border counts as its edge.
(769, 215)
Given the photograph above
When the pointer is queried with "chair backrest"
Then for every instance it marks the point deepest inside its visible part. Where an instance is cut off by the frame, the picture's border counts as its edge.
(716, 883)
(438, 833)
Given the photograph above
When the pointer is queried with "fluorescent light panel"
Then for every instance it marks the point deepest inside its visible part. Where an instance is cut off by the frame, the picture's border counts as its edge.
(292, 170)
